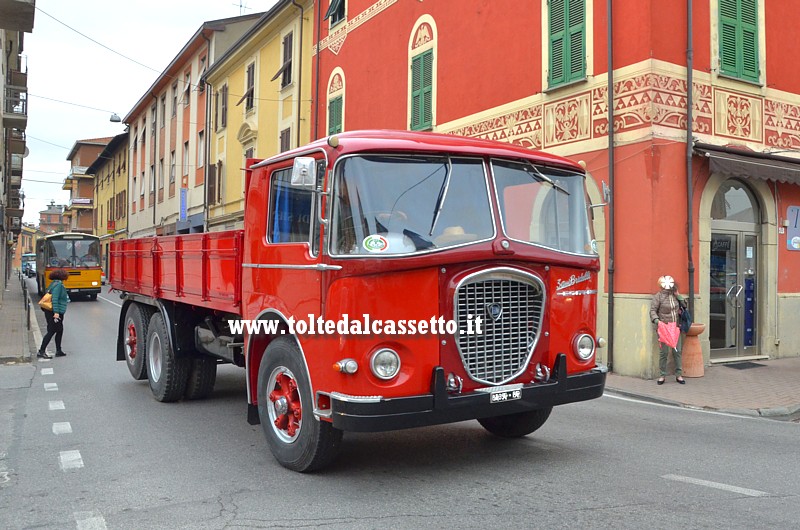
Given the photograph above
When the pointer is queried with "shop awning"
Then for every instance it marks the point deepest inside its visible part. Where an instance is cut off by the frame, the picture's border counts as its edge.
(737, 163)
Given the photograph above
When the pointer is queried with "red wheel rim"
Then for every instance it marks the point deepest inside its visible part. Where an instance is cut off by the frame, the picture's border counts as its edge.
(130, 340)
(284, 404)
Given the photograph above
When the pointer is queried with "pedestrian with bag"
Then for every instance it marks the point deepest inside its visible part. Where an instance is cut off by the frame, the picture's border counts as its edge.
(664, 313)
(54, 309)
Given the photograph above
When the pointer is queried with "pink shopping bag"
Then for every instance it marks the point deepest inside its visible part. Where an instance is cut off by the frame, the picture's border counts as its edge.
(668, 333)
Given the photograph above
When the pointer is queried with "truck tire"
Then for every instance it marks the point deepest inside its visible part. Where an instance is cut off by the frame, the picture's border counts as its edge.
(202, 376)
(166, 372)
(298, 440)
(516, 425)
(135, 329)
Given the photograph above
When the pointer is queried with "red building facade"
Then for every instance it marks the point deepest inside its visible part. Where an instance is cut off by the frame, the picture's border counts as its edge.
(535, 73)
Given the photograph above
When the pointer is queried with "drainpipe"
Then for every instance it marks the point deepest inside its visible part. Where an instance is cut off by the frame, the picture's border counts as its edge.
(316, 88)
(689, 146)
(610, 39)
(154, 134)
(299, 72)
(208, 127)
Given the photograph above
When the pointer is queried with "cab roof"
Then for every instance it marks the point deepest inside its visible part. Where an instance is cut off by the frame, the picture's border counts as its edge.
(423, 142)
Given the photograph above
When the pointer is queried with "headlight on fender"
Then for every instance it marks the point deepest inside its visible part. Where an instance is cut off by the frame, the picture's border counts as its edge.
(385, 364)
(583, 347)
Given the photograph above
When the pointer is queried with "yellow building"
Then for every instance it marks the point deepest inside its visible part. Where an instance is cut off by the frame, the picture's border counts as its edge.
(260, 103)
(110, 171)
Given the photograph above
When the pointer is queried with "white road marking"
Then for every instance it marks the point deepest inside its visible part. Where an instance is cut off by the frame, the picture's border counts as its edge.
(89, 521)
(51, 387)
(56, 405)
(62, 427)
(717, 485)
(109, 301)
(47, 371)
(690, 409)
(70, 460)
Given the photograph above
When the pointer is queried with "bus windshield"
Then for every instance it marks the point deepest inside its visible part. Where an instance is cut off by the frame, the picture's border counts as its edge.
(73, 253)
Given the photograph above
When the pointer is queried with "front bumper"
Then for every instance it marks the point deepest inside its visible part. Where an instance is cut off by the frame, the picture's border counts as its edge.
(364, 414)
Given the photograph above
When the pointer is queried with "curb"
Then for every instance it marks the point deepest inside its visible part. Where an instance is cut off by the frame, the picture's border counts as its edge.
(775, 413)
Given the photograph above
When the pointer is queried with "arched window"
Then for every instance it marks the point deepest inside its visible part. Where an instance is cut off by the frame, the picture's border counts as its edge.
(735, 202)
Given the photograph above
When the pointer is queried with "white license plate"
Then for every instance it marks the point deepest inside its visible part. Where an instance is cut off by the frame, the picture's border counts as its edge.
(506, 395)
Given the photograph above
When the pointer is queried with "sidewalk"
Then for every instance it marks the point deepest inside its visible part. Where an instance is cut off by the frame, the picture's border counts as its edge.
(14, 334)
(769, 390)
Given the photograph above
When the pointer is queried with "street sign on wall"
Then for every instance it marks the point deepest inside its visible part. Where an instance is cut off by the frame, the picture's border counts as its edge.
(184, 191)
(793, 229)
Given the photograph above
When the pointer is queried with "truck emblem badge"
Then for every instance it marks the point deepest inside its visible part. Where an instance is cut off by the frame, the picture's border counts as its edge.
(375, 243)
(495, 311)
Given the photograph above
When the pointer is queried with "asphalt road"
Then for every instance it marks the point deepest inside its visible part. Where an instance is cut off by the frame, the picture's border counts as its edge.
(130, 462)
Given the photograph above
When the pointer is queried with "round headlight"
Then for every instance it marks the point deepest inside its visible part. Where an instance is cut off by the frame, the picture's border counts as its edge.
(385, 364)
(584, 347)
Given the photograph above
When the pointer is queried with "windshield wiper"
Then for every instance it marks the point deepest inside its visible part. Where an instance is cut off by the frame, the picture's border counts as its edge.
(442, 194)
(547, 179)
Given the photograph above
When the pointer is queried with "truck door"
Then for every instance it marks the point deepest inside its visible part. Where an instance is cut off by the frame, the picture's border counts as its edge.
(287, 272)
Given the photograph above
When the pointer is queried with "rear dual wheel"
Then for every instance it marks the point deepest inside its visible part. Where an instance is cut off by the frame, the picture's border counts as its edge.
(166, 372)
(135, 333)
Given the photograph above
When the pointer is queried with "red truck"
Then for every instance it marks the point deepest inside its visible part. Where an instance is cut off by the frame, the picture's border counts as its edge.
(383, 280)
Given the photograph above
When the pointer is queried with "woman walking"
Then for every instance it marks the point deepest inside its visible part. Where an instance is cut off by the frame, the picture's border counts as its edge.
(664, 308)
(55, 318)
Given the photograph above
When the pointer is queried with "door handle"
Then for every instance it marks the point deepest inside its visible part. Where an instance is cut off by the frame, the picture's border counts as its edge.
(733, 301)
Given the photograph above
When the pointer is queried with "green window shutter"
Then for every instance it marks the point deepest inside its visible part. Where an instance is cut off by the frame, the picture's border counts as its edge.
(335, 116)
(749, 21)
(422, 91)
(567, 36)
(577, 39)
(557, 34)
(738, 38)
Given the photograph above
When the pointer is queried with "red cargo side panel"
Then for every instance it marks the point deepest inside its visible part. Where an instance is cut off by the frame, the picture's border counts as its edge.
(196, 269)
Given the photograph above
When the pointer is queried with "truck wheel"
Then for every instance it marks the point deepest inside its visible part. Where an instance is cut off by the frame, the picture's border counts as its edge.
(516, 425)
(166, 372)
(136, 320)
(202, 376)
(297, 439)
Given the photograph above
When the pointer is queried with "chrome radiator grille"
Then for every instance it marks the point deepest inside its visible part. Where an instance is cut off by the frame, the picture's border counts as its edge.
(511, 306)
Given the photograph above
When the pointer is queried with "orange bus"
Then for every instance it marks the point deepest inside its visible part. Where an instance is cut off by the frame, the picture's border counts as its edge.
(78, 254)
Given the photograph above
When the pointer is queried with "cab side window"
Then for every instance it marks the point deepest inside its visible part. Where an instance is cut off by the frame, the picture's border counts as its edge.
(290, 211)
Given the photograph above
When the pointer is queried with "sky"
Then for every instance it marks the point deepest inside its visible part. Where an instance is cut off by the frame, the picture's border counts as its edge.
(91, 82)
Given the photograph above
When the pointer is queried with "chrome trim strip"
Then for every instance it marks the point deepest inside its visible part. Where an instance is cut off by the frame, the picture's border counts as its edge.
(316, 266)
(577, 293)
(501, 388)
(356, 399)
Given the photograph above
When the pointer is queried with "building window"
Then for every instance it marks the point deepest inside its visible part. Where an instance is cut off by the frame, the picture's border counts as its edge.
(172, 167)
(141, 188)
(161, 174)
(335, 115)
(222, 108)
(154, 118)
(201, 149)
(335, 12)
(152, 178)
(175, 99)
(285, 71)
(422, 91)
(567, 41)
(163, 109)
(738, 39)
(249, 89)
(187, 89)
(286, 140)
(202, 71)
(186, 158)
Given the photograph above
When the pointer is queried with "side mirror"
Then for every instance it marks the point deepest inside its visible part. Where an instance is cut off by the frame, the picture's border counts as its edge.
(304, 172)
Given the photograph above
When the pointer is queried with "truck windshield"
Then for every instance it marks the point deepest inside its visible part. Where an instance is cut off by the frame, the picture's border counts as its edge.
(406, 204)
(543, 206)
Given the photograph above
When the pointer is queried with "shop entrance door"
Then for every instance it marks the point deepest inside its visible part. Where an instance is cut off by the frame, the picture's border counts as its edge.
(733, 305)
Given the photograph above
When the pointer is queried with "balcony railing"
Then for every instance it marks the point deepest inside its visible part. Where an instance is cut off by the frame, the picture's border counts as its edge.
(15, 109)
(16, 141)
